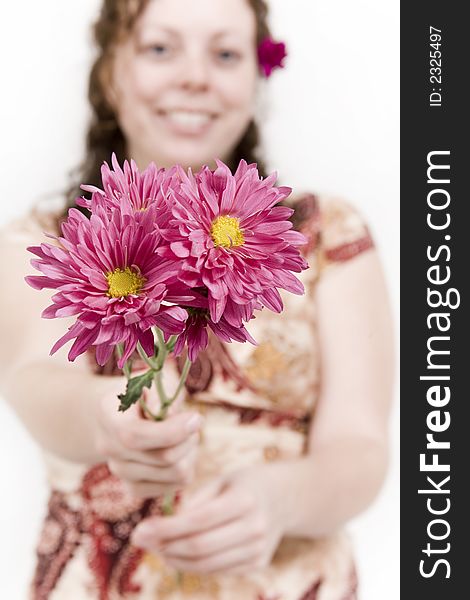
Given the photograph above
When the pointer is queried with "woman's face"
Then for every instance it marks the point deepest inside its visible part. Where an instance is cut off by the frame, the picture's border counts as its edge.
(184, 83)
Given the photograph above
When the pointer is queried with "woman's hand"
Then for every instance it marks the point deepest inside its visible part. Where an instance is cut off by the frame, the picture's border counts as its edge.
(232, 524)
(151, 457)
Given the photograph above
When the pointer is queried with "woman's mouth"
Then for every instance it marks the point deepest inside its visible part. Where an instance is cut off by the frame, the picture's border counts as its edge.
(187, 122)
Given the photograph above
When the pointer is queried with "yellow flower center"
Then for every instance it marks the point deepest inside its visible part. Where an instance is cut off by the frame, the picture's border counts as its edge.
(124, 282)
(226, 232)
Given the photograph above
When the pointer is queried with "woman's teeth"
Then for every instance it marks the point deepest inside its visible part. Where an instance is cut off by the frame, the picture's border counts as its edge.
(188, 119)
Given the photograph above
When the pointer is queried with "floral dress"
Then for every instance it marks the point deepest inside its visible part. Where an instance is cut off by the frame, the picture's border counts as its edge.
(258, 403)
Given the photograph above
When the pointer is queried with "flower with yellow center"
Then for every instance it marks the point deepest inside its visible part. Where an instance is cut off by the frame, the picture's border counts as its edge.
(226, 232)
(124, 282)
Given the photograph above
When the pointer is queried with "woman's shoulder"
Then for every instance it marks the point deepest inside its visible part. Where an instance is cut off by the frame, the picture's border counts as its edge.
(336, 230)
(16, 236)
(28, 228)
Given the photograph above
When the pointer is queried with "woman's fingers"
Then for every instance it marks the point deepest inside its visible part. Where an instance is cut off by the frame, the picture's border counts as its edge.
(151, 457)
(166, 457)
(242, 557)
(143, 434)
(213, 541)
(148, 482)
(224, 508)
(121, 434)
(179, 472)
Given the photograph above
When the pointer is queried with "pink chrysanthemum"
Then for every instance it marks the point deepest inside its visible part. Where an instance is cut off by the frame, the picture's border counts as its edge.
(271, 55)
(196, 338)
(195, 334)
(130, 190)
(106, 270)
(232, 239)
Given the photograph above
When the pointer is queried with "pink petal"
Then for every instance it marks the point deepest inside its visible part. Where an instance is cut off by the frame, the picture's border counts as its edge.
(82, 343)
(272, 300)
(179, 249)
(103, 353)
(148, 343)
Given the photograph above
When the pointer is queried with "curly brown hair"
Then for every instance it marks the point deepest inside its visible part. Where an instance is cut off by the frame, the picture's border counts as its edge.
(104, 135)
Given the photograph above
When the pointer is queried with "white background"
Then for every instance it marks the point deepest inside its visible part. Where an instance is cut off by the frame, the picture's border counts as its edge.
(331, 125)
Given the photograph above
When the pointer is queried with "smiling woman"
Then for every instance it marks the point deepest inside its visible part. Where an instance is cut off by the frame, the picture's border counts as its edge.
(175, 86)
(272, 448)
(184, 82)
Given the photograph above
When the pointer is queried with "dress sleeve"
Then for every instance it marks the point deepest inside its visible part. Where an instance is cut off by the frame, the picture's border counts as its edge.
(343, 234)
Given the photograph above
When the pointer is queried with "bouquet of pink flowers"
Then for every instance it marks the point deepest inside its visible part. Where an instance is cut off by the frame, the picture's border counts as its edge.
(165, 255)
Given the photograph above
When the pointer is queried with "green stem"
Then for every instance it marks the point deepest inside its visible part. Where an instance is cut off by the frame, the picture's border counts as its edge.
(168, 503)
(171, 342)
(184, 375)
(161, 357)
(165, 402)
(162, 349)
(143, 355)
(160, 338)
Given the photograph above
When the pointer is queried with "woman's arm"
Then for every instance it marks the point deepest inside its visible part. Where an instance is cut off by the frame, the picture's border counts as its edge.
(348, 441)
(68, 409)
(58, 405)
(55, 399)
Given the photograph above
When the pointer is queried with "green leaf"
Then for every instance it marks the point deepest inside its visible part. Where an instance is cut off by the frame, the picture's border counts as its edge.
(134, 389)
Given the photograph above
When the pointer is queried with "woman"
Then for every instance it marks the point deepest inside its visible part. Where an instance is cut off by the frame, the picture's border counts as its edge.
(263, 487)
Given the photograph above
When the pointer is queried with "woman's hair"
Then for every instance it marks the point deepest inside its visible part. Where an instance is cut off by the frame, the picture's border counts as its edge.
(104, 135)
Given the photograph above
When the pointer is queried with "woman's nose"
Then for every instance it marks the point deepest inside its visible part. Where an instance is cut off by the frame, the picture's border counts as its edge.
(195, 73)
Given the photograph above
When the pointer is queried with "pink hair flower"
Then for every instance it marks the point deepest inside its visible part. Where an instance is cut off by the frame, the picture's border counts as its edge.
(271, 55)
(106, 270)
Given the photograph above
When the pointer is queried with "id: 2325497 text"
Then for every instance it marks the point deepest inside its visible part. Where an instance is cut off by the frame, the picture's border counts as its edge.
(435, 66)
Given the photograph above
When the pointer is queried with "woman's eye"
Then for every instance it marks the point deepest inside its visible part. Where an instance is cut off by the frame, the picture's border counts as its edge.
(159, 49)
(228, 56)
